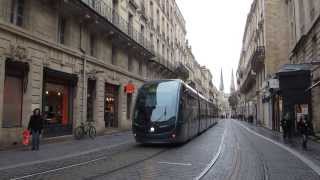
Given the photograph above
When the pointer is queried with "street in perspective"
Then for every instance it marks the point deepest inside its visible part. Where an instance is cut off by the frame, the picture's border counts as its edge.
(159, 89)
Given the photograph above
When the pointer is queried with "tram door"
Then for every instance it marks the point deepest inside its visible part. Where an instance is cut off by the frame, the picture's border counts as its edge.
(111, 106)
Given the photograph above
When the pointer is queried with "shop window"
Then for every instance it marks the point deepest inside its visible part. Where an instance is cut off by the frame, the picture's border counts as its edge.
(111, 106)
(56, 105)
(129, 103)
(57, 102)
(17, 12)
(90, 99)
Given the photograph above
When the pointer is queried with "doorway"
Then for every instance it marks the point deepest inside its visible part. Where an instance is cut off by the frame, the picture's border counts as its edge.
(58, 97)
(111, 106)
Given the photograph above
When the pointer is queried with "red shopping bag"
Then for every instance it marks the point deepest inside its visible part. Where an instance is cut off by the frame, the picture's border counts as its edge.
(26, 137)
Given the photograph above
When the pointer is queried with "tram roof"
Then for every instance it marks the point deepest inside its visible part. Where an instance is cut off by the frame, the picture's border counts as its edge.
(182, 82)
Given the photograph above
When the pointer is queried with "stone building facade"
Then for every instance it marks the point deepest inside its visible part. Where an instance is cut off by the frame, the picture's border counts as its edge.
(304, 33)
(75, 60)
(264, 49)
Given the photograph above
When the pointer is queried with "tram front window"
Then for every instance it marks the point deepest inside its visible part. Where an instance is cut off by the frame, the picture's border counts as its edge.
(157, 102)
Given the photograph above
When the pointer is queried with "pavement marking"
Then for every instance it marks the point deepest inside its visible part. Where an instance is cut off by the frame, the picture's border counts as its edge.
(61, 157)
(215, 158)
(59, 169)
(70, 166)
(308, 162)
(173, 163)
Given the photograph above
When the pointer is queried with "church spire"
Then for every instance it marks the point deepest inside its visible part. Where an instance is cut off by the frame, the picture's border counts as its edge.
(221, 82)
(232, 87)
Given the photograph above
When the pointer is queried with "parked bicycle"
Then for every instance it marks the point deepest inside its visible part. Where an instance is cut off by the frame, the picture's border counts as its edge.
(85, 129)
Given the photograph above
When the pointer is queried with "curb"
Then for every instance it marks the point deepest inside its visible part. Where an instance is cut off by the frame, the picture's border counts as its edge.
(59, 139)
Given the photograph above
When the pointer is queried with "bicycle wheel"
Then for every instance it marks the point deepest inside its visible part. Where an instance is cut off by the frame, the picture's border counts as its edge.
(79, 133)
(92, 132)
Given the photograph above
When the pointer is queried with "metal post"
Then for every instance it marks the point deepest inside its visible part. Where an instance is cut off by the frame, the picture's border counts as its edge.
(84, 90)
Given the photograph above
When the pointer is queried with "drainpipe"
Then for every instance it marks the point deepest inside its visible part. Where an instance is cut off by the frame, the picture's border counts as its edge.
(84, 90)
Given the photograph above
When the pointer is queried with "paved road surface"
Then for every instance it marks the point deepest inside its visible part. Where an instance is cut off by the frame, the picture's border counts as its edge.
(228, 151)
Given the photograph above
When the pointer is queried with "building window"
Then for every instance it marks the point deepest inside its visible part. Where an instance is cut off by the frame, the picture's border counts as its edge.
(61, 30)
(140, 67)
(151, 11)
(301, 16)
(130, 24)
(158, 46)
(17, 12)
(312, 9)
(113, 55)
(92, 45)
(142, 34)
(163, 50)
(151, 41)
(314, 49)
(130, 62)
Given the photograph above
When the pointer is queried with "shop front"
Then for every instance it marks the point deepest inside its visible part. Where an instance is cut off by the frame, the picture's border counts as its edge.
(111, 106)
(58, 98)
(295, 79)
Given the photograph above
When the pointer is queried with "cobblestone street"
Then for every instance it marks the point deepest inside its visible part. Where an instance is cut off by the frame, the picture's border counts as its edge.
(242, 152)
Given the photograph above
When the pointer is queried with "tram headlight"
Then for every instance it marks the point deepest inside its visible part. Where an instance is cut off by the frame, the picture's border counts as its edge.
(152, 129)
(173, 136)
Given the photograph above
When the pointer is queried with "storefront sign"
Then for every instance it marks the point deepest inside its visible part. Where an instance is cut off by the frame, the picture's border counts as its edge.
(129, 88)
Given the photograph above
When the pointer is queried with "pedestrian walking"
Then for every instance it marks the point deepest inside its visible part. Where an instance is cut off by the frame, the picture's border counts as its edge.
(284, 125)
(304, 130)
(35, 127)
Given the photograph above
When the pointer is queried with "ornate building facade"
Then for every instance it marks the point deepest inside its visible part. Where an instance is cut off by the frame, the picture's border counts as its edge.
(304, 24)
(265, 48)
(76, 59)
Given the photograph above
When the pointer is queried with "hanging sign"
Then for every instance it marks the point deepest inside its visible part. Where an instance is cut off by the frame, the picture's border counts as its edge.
(129, 88)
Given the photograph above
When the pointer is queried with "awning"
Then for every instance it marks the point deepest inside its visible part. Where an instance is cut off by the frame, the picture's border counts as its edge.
(294, 68)
(71, 78)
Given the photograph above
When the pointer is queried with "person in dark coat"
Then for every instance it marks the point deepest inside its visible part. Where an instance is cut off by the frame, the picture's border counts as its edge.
(35, 127)
(303, 128)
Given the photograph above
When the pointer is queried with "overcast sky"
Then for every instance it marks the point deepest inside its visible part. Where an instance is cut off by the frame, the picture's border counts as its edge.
(214, 30)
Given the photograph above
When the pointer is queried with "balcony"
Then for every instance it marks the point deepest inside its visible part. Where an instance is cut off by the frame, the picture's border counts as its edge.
(248, 79)
(167, 67)
(143, 12)
(258, 57)
(182, 71)
(116, 24)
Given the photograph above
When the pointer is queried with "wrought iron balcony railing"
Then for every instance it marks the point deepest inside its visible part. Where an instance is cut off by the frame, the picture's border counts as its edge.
(110, 14)
(258, 57)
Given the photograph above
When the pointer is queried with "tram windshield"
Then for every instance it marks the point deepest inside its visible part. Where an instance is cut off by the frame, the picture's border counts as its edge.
(157, 102)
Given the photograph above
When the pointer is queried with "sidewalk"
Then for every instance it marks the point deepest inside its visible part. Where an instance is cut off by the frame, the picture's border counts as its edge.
(313, 151)
(62, 150)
